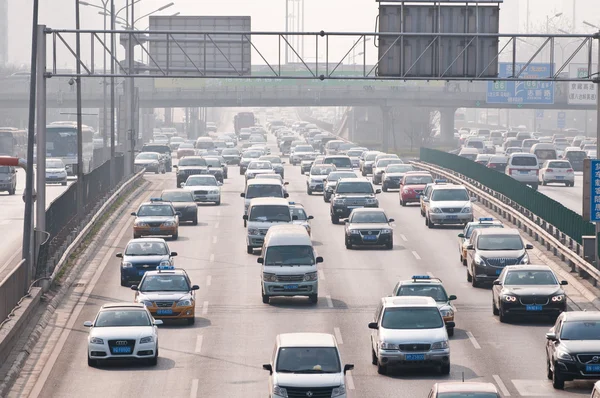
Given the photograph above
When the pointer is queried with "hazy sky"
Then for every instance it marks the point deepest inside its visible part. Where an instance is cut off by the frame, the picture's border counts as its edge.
(268, 15)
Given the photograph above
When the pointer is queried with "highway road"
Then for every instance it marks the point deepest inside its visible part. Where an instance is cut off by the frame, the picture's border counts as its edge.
(221, 355)
(12, 220)
(570, 197)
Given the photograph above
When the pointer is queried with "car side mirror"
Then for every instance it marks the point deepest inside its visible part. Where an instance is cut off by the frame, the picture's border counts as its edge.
(119, 255)
(461, 235)
(219, 183)
(133, 214)
(319, 259)
(425, 199)
(473, 199)
(377, 191)
(294, 218)
(528, 246)
(346, 221)
(470, 247)
(134, 287)
(178, 213)
(242, 195)
(268, 368)
(173, 254)
(307, 173)
(158, 322)
(195, 287)
(450, 325)
(182, 184)
(452, 297)
(563, 283)
(175, 166)
(391, 220)
(373, 325)
(287, 195)
(348, 367)
(497, 282)
(286, 183)
(310, 218)
(260, 260)
(88, 324)
(245, 217)
(551, 336)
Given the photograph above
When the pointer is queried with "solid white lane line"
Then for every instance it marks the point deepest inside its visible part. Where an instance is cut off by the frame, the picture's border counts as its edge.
(194, 390)
(215, 239)
(205, 308)
(416, 255)
(208, 280)
(403, 238)
(501, 385)
(473, 341)
(338, 335)
(216, 225)
(198, 344)
(321, 275)
(349, 381)
(211, 258)
(329, 302)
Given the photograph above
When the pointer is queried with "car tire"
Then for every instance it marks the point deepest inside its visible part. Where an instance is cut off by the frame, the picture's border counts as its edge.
(557, 381)
(402, 203)
(474, 281)
(384, 188)
(549, 373)
(154, 361)
(382, 369)
(335, 220)
(218, 202)
(373, 356)
(469, 277)
(348, 244)
(191, 321)
(92, 362)
(308, 192)
(176, 236)
(125, 283)
(502, 316)
(265, 299)
(314, 299)
(450, 332)
(430, 225)
(136, 236)
(389, 245)
(495, 310)
(156, 172)
(249, 250)
(163, 171)
(363, 173)
(195, 221)
(245, 223)
(445, 369)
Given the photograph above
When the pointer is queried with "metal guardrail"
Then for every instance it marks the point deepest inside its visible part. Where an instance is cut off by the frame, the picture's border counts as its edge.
(12, 288)
(553, 240)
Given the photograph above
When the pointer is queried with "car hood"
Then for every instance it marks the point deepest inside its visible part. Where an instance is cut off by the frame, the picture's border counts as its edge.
(231, 156)
(289, 269)
(200, 188)
(145, 161)
(453, 203)
(155, 219)
(121, 332)
(501, 253)
(403, 336)
(145, 259)
(368, 225)
(318, 178)
(416, 186)
(354, 195)
(183, 205)
(163, 296)
(48, 170)
(313, 379)
(580, 346)
(185, 168)
(307, 161)
(261, 171)
(395, 174)
(530, 290)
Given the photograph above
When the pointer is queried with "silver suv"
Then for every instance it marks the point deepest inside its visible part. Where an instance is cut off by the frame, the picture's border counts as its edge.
(409, 332)
(448, 204)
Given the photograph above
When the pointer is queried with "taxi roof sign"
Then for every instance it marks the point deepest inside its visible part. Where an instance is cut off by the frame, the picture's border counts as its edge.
(421, 277)
(483, 219)
(165, 267)
(156, 200)
(440, 181)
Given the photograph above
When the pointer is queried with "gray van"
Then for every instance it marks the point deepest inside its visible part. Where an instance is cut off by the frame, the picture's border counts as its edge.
(8, 179)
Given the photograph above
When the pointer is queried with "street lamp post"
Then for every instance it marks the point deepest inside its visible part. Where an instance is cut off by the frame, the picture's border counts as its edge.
(549, 18)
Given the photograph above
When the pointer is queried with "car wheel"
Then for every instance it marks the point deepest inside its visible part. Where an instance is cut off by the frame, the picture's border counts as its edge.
(249, 250)
(373, 356)
(218, 202)
(445, 369)
(567, 184)
(92, 362)
(544, 183)
(163, 171)
(363, 173)
(381, 369)
(461, 258)
(195, 221)
(430, 224)
(313, 298)
(450, 332)
(348, 244)
(402, 203)
(384, 188)
(495, 310)
(549, 372)
(136, 236)
(474, 281)
(469, 277)
(175, 236)
(308, 191)
(191, 321)
(335, 220)
(265, 299)
(502, 316)
(154, 361)
(389, 245)
(125, 283)
(557, 381)
(245, 223)
(534, 187)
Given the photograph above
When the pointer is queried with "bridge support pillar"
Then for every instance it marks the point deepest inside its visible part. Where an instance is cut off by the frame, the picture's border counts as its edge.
(388, 128)
(447, 125)
(168, 117)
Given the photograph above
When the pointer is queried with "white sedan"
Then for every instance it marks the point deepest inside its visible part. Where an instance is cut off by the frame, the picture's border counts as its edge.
(557, 171)
(204, 188)
(257, 167)
(123, 331)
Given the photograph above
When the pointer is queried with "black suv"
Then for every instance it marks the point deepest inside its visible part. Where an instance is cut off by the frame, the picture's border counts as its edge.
(190, 165)
(164, 150)
(350, 194)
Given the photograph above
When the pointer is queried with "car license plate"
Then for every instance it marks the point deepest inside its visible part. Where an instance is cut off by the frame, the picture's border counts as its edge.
(452, 217)
(418, 196)
(154, 229)
(164, 311)
(592, 368)
(533, 307)
(560, 177)
(141, 273)
(415, 357)
(121, 350)
(370, 237)
(290, 287)
(524, 171)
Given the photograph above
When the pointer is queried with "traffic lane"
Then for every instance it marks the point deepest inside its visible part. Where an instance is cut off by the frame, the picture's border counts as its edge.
(502, 345)
(570, 197)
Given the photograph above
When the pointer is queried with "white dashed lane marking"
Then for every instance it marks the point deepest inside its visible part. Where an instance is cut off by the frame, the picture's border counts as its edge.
(416, 255)
(338, 335)
(329, 301)
(205, 308)
(403, 238)
(501, 385)
(194, 390)
(208, 280)
(198, 344)
(473, 341)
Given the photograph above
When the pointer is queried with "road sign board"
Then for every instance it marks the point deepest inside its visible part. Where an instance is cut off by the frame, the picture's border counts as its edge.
(595, 190)
(561, 120)
(581, 93)
(522, 92)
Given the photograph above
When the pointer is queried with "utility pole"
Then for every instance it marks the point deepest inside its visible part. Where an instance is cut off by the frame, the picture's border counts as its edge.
(79, 115)
(112, 97)
(131, 94)
(40, 213)
(287, 38)
(597, 81)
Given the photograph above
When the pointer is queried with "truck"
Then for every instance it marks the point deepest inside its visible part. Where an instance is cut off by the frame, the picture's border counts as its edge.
(242, 120)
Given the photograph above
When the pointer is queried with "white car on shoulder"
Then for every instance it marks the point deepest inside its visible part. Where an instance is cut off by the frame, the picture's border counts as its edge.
(205, 188)
(123, 331)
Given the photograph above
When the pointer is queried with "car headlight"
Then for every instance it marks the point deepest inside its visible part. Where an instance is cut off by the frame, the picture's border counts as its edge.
(340, 201)
(407, 190)
(269, 277)
(126, 265)
(386, 231)
(214, 191)
(388, 346)
(184, 303)
(165, 263)
(147, 339)
(253, 231)
(96, 340)
(509, 299)
(558, 298)
(338, 391)
(525, 259)
(311, 276)
(563, 355)
(147, 303)
(169, 224)
(279, 391)
(141, 224)
(447, 313)
(354, 232)
(478, 260)
(371, 201)
(466, 210)
(435, 210)
(440, 345)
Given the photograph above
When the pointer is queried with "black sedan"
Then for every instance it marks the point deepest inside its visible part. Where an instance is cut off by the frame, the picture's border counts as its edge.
(529, 290)
(369, 227)
(183, 202)
(142, 255)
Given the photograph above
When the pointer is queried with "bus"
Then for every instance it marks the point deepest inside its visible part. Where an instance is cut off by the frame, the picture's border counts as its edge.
(13, 142)
(61, 142)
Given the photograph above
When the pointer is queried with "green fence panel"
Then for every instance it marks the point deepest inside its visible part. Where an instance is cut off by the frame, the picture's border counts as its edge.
(566, 220)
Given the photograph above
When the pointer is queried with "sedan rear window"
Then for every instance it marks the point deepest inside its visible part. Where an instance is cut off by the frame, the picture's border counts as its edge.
(524, 161)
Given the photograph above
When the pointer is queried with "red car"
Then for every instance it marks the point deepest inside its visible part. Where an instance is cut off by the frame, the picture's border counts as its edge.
(412, 185)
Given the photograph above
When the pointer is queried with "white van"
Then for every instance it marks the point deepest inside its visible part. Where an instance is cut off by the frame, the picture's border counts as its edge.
(524, 167)
(307, 365)
(469, 153)
(262, 188)
(544, 152)
(263, 213)
(289, 263)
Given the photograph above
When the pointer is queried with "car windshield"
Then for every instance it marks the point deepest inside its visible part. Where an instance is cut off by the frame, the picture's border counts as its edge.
(230, 152)
(4, 169)
(476, 226)
(207, 181)
(399, 168)
(146, 249)
(450, 195)
(321, 170)
(362, 217)
(213, 162)
(164, 283)
(580, 330)
(412, 318)
(335, 176)
(192, 162)
(260, 166)
(436, 292)
(371, 157)
(272, 159)
(157, 148)
(385, 162)
(299, 212)
(304, 148)
(290, 255)
(177, 196)
(541, 154)
(264, 191)
(308, 360)
(500, 242)
(186, 145)
(559, 165)
(270, 213)
(147, 156)
(252, 154)
(355, 187)
(55, 164)
(122, 318)
(530, 278)
(418, 180)
(155, 211)
(339, 162)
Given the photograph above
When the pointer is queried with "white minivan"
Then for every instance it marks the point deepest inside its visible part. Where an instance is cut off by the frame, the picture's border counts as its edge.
(289, 263)
(307, 365)
(261, 188)
(544, 152)
(524, 167)
(263, 213)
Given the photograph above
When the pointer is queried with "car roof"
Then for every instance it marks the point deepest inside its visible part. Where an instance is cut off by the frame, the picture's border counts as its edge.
(176, 271)
(147, 240)
(448, 186)
(357, 179)
(408, 301)
(286, 235)
(529, 267)
(269, 201)
(368, 210)
(457, 386)
(265, 181)
(572, 316)
(157, 204)
(422, 281)
(123, 305)
(306, 339)
(498, 231)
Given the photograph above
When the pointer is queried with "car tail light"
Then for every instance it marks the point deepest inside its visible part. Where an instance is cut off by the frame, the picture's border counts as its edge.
(550, 170)
(570, 171)
(510, 171)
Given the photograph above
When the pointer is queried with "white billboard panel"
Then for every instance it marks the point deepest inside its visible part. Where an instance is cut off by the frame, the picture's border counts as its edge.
(582, 93)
